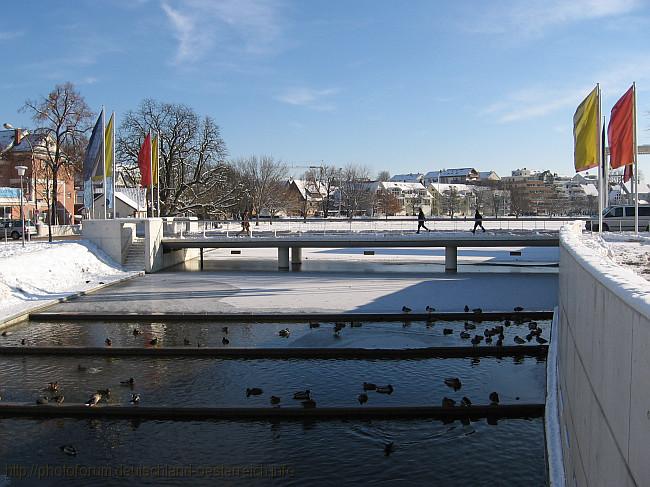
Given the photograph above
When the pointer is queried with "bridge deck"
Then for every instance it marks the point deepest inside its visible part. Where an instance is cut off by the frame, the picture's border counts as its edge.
(377, 240)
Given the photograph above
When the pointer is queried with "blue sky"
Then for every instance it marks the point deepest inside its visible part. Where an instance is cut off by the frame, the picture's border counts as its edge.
(401, 86)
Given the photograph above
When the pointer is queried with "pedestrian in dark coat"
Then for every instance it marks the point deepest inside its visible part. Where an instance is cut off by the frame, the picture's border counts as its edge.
(478, 221)
(421, 219)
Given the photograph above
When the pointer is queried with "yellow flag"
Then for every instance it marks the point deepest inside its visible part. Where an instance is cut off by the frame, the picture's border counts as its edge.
(154, 161)
(108, 147)
(585, 132)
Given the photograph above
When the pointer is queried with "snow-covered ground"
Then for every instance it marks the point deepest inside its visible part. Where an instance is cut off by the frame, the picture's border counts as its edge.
(625, 249)
(43, 272)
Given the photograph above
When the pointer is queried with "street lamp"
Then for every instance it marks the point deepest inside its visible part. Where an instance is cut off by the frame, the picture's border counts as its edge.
(21, 172)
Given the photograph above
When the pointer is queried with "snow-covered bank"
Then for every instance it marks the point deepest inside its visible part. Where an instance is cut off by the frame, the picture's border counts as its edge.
(620, 261)
(43, 272)
(625, 249)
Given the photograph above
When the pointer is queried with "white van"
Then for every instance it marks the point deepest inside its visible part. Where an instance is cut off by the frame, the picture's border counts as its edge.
(620, 218)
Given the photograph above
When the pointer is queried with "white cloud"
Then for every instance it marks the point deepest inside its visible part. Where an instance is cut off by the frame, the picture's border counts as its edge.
(541, 100)
(309, 98)
(242, 26)
(533, 18)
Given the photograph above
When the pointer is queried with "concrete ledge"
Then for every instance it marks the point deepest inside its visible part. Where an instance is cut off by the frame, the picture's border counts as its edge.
(287, 352)
(337, 241)
(275, 317)
(552, 417)
(295, 413)
(26, 314)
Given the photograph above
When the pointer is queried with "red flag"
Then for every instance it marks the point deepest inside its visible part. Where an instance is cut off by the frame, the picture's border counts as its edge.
(627, 174)
(144, 161)
(620, 131)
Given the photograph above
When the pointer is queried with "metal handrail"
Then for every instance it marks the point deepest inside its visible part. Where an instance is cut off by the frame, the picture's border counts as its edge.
(323, 226)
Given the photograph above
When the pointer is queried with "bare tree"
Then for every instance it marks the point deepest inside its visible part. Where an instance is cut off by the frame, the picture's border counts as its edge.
(193, 174)
(387, 203)
(483, 198)
(62, 117)
(354, 189)
(383, 176)
(261, 178)
(278, 198)
(325, 179)
(450, 201)
(519, 200)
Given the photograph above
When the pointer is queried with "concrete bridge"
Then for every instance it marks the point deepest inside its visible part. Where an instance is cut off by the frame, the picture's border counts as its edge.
(451, 241)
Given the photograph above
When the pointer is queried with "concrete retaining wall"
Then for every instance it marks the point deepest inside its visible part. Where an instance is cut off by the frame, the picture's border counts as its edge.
(604, 370)
(174, 257)
(58, 230)
(112, 236)
(116, 236)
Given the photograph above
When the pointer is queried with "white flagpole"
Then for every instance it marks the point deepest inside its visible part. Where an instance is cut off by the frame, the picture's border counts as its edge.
(151, 174)
(104, 161)
(158, 172)
(605, 166)
(600, 167)
(635, 176)
(113, 173)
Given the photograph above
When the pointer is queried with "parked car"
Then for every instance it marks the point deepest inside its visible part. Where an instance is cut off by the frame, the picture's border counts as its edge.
(14, 229)
(620, 218)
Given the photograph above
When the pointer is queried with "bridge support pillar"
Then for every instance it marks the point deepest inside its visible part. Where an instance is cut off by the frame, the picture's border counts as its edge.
(283, 258)
(451, 259)
(296, 256)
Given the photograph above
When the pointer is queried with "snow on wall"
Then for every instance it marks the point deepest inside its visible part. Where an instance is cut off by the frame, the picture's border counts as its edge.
(597, 255)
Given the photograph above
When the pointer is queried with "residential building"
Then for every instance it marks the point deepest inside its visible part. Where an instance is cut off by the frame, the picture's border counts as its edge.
(488, 177)
(408, 178)
(31, 152)
(411, 196)
(305, 198)
(534, 193)
(441, 192)
(462, 175)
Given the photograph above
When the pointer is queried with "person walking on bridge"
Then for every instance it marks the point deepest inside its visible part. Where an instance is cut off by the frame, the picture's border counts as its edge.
(421, 219)
(245, 224)
(478, 221)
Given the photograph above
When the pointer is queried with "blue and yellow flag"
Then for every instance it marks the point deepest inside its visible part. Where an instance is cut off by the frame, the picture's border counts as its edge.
(109, 143)
(92, 159)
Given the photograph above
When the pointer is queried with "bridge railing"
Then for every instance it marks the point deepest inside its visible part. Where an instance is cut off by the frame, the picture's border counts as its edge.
(333, 226)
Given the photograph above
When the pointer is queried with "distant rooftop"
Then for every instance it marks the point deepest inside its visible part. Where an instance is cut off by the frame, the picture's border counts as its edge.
(407, 178)
(7, 137)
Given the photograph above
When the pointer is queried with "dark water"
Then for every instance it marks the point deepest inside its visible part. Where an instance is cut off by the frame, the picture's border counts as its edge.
(426, 453)
(217, 382)
(298, 452)
(265, 335)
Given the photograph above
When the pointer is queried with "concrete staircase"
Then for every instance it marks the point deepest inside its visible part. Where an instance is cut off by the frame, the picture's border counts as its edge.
(135, 256)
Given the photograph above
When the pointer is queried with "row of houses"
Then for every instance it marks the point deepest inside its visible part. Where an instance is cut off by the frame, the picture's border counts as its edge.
(405, 198)
(461, 175)
(524, 191)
